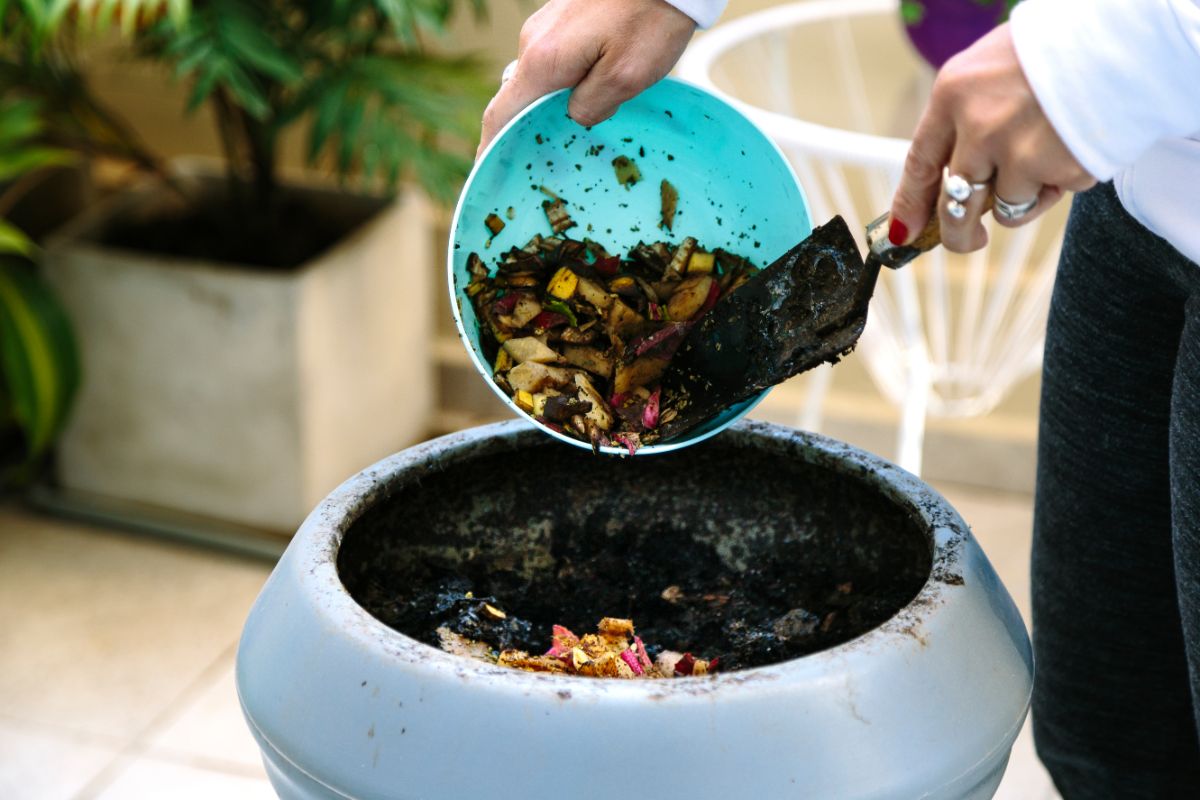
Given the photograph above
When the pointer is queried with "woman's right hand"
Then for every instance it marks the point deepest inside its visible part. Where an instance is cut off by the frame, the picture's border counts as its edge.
(608, 51)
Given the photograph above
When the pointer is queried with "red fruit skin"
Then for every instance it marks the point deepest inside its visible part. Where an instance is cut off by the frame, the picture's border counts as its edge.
(608, 266)
(684, 665)
(632, 660)
(650, 413)
(547, 320)
(506, 304)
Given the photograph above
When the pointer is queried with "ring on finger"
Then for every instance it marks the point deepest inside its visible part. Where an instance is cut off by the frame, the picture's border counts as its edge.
(1012, 211)
(508, 72)
(958, 188)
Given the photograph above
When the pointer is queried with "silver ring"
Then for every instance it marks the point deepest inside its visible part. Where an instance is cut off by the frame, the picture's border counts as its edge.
(959, 189)
(1013, 211)
(508, 72)
(956, 209)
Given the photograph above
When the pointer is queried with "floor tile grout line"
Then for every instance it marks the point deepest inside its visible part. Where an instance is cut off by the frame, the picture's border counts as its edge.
(139, 743)
(207, 763)
(60, 731)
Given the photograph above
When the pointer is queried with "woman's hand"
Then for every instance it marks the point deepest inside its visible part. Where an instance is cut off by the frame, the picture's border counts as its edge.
(609, 51)
(984, 121)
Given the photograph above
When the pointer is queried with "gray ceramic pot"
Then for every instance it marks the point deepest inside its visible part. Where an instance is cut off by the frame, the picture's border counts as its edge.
(924, 705)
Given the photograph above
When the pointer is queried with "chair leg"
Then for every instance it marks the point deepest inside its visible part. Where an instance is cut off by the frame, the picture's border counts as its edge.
(812, 412)
(910, 441)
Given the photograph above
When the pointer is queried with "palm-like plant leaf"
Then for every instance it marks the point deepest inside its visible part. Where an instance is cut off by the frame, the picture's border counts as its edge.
(229, 45)
(39, 364)
(383, 116)
(100, 15)
(21, 127)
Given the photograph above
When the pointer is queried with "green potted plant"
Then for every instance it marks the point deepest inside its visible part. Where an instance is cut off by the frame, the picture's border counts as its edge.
(39, 361)
(48, 119)
(250, 340)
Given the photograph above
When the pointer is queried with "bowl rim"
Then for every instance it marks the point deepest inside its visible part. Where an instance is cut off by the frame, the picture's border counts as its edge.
(318, 541)
(485, 369)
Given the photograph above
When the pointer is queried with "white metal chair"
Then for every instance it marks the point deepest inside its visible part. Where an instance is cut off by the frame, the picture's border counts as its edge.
(949, 335)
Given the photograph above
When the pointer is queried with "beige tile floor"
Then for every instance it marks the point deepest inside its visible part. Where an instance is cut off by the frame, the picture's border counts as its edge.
(116, 660)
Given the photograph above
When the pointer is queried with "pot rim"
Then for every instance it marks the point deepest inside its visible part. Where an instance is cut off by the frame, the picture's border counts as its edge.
(319, 539)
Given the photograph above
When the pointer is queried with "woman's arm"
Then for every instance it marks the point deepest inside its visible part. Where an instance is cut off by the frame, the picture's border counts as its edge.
(1113, 76)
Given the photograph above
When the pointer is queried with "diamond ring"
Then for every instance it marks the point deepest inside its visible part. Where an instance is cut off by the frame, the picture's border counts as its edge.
(959, 190)
(1013, 211)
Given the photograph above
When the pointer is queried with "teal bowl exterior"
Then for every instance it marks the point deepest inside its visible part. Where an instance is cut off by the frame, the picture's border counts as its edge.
(736, 190)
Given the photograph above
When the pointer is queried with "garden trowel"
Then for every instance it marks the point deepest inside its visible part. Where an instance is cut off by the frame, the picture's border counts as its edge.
(807, 308)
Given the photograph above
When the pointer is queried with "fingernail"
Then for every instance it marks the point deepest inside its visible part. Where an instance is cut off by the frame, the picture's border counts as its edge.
(897, 232)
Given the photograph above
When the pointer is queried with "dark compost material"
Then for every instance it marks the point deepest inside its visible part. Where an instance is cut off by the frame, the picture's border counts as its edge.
(720, 550)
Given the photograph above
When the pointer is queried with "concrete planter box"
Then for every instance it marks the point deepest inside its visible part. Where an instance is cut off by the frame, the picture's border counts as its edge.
(244, 394)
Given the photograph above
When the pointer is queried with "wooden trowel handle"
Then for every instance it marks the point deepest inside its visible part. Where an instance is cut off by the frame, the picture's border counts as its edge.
(894, 256)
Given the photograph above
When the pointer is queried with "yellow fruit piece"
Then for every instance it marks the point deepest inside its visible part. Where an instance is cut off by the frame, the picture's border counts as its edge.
(563, 284)
(504, 361)
(578, 658)
(501, 335)
(616, 626)
(701, 262)
(624, 282)
(524, 400)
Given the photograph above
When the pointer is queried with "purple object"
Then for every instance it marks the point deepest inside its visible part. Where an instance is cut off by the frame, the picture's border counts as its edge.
(940, 28)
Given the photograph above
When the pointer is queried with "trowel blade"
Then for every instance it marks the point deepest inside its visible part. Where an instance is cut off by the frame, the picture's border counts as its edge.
(807, 308)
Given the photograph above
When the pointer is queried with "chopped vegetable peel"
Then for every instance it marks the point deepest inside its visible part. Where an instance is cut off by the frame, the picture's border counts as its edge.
(701, 262)
(609, 653)
(627, 171)
(670, 199)
(563, 284)
(571, 325)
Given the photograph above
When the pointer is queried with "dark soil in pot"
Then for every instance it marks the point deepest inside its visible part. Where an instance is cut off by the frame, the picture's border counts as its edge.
(720, 550)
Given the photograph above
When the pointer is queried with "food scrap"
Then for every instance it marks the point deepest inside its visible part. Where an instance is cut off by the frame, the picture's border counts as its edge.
(614, 651)
(494, 223)
(627, 171)
(670, 199)
(580, 338)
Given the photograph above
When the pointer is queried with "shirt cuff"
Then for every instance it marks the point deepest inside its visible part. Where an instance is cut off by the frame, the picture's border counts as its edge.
(1112, 76)
(704, 12)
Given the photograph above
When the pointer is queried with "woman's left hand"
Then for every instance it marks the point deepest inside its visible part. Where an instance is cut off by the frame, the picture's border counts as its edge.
(983, 122)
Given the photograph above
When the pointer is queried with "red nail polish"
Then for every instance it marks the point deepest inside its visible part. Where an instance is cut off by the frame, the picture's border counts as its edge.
(897, 232)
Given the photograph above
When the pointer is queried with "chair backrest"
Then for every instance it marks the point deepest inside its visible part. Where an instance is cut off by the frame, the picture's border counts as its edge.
(832, 82)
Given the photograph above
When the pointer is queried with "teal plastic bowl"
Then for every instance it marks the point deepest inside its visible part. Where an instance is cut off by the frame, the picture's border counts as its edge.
(736, 190)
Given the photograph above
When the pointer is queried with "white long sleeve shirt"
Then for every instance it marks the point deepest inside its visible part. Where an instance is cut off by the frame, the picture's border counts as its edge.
(704, 12)
(1120, 82)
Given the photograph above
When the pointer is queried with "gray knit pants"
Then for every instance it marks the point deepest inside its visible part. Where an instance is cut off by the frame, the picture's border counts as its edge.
(1116, 557)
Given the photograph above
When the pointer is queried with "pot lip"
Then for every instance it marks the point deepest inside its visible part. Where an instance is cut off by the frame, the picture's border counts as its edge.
(314, 551)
